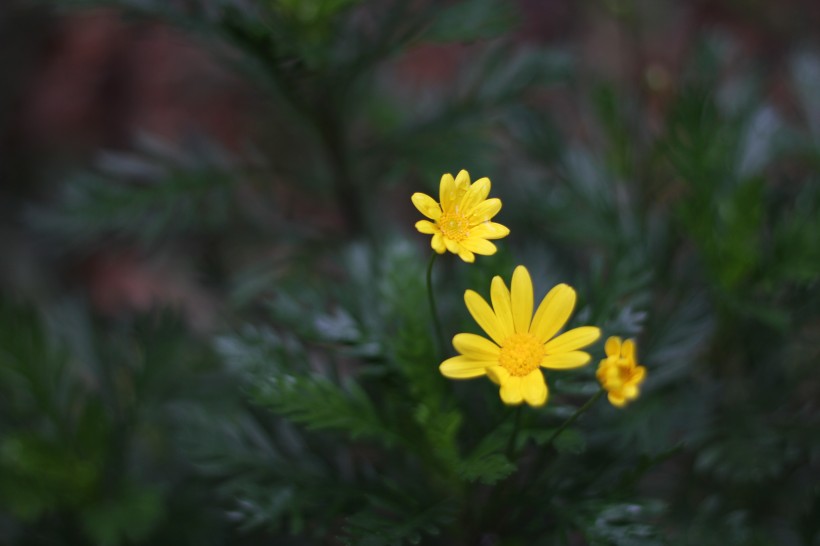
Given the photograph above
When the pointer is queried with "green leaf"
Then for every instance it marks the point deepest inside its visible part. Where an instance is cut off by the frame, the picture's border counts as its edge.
(144, 197)
(488, 463)
(471, 20)
(487, 468)
(746, 456)
(125, 519)
(319, 404)
(440, 427)
(626, 524)
(392, 525)
(570, 441)
(37, 475)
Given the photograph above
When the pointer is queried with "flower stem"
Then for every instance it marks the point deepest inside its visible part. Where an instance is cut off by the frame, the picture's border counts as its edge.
(514, 435)
(542, 454)
(574, 417)
(432, 299)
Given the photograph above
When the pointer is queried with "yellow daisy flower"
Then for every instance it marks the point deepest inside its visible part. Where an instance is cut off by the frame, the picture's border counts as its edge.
(461, 218)
(618, 373)
(521, 343)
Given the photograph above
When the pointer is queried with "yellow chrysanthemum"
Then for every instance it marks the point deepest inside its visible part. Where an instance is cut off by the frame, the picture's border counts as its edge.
(521, 343)
(461, 219)
(618, 373)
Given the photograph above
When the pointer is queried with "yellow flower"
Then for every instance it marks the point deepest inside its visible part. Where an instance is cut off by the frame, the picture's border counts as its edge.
(461, 219)
(618, 373)
(521, 343)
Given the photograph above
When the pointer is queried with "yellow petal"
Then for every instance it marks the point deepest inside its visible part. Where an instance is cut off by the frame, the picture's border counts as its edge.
(426, 205)
(616, 400)
(485, 210)
(565, 361)
(638, 375)
(483, 315)
(476, 347)
(502, 306)
(462, 183)
(479, 246)
(630, 392)
(427, 227)
(553, 313)
(613, 346)
(573, 339)
(511, 391)
(498, 374)
(628, 349)
(451, 245)
(489, 230)
(462, 367)
(521, 296)
(476, 193)
(447, 191)
(534, 388)
(466, 255)
(437, 243)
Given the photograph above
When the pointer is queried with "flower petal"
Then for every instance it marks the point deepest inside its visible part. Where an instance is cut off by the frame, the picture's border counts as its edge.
(466, 255)
(426, 205)
(502, 306)
(476, 193)
(628, 349)
(451, 245)
(630, 392)
(484, 316)
(521, 296)
(479, 246)
(573, 339)
(447, 191)
(462, 183)
(553, 312)
(485, 210)
(616, 400)
(476, 347)
(489, 230)
(498, 374)
(601, 372)
(565, 361)
(534, 388)
(638, 375)
(463, 367)
(427, 227)
(437, 243)
(511, 391)
(613, 346)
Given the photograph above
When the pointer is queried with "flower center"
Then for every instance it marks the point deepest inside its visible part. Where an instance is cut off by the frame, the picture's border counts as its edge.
(454, 226)
(521, 354)
(620, 373)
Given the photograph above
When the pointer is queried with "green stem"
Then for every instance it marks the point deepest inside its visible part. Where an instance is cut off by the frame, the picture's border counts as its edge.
(574, 417)
(514, 435)
(432, 299)
(542, 454)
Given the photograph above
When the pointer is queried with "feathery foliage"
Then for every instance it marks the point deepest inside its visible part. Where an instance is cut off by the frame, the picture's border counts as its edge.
(211, 347)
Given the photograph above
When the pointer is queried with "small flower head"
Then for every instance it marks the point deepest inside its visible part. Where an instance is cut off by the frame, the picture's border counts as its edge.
(618, 373)
(460, 220)
(520, 344)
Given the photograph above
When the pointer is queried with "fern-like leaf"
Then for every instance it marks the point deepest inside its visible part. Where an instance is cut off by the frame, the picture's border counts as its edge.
(320, 404)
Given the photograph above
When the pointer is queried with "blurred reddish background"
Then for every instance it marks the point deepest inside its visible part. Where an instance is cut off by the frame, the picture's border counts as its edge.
(95, 79)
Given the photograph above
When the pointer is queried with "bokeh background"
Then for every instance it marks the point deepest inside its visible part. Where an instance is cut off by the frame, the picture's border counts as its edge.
(191, 189)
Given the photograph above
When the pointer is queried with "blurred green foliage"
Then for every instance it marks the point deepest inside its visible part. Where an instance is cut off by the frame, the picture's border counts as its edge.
(309, 409)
